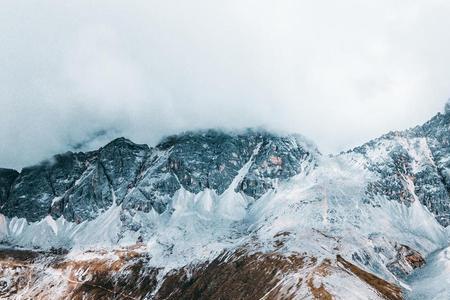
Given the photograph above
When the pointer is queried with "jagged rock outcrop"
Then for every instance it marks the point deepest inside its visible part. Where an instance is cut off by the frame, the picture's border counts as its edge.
(36, 187)
(278, 158)
(77, 186)
(405, 261)
(7, 177)
(80, 186)
(412, 164)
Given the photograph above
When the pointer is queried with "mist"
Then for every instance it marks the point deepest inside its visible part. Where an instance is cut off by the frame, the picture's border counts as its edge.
(338, 72)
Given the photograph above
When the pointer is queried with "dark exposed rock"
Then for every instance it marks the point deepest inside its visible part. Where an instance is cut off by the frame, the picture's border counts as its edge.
(36, 187)
(209, 159)
(79, 186)
(413, 164)
(278, 158)
(110, 173)
(212, 160)
(76, 185)
(7, 177)
(406, 261)
(437, 133)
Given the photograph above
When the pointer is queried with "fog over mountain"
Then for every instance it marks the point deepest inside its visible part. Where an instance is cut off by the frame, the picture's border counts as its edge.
(181, 149)
(77, 74)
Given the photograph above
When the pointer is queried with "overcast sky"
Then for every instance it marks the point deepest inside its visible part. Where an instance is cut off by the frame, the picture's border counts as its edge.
(338, 72)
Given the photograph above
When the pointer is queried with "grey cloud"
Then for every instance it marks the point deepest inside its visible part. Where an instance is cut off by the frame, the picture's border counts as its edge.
(339, 72)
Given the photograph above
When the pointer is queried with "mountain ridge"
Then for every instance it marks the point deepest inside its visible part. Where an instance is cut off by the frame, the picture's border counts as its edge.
(269, 212)
(210, 138)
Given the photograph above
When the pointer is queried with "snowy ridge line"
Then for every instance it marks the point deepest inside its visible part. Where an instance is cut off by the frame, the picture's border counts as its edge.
(381, 208)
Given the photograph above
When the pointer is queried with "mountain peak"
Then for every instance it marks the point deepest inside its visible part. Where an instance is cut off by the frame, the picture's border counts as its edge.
(447, 107)
(123, 142)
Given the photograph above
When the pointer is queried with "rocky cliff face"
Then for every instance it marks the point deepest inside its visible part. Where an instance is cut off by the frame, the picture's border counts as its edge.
(412, 164)
(80, 186)
(7, 178)
(77, 186)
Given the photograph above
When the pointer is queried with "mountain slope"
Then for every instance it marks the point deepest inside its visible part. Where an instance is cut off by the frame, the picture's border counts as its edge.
(228, 215)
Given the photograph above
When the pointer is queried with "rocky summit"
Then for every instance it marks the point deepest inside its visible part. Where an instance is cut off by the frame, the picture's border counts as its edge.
(79, 186)
(231, 215)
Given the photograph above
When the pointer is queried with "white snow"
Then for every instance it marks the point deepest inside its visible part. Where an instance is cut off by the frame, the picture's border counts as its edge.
(433, 281)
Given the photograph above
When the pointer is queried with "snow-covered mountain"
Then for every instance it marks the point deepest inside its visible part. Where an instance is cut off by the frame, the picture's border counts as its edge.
(226, 215)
